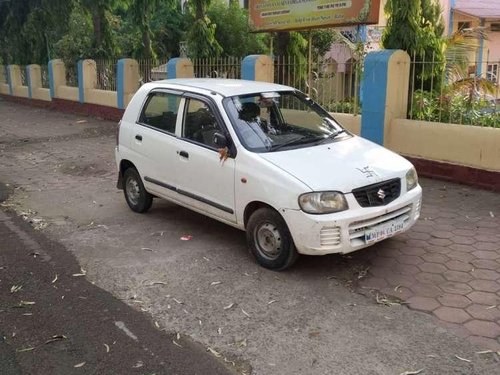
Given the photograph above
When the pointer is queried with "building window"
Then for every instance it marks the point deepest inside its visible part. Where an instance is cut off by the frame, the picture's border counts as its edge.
(492, 73)
(495, 27)
(464, 25)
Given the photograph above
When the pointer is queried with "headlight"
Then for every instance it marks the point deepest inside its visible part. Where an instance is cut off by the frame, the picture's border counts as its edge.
(323, 202)
(411, 179)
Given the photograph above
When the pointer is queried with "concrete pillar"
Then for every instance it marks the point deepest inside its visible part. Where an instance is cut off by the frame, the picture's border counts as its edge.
(385, 87)
(14, 76)
(180, 67)
(34, 78)
(258, 68)
(127, 81)
(57, 76)
(87, 78)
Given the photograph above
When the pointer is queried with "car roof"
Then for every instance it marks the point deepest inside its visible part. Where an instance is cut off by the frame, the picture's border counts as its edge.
(225, 87)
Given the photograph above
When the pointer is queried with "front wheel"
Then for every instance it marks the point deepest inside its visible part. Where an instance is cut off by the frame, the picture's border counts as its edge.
(270, 240)
(138, 199)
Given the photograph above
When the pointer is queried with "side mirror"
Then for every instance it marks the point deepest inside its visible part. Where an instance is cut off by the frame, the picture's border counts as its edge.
(220, 140)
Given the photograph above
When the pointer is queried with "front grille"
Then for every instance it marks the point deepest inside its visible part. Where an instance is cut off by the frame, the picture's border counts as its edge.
(329, 237)
(378, 194)
(358, 228)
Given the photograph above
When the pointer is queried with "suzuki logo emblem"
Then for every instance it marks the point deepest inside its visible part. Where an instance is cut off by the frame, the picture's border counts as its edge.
(381, 194)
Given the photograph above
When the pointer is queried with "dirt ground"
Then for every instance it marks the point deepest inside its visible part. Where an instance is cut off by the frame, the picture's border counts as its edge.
(325, 315)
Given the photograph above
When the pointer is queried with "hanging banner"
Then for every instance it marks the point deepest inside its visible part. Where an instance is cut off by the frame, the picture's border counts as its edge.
(286, 15)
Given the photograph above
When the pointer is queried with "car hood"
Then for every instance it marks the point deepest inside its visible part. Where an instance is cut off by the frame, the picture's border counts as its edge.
(341, 166)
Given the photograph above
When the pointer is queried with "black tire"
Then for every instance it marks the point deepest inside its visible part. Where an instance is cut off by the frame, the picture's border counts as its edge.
(270, 240)
(138, 199)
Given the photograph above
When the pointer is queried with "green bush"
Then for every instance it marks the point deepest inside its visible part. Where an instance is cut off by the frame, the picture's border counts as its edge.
(455, 108)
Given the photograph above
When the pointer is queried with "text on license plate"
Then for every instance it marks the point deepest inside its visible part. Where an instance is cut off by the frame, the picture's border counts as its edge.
(384, 230)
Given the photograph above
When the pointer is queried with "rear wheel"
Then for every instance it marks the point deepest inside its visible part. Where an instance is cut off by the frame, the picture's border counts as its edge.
(138, 199)
(270, 240)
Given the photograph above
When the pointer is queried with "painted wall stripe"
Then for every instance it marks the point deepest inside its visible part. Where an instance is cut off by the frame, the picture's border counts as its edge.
(52, 86)
(172, 68)
(120, 85)
(9, 80)
(81, 91)
(28, 78)
(375, 95)
(248, 67)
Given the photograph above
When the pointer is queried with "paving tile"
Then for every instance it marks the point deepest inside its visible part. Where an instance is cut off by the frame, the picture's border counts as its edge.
(412, 250)
(456, 265)
(485, 274)
(457, 276)
(452, 315)
(488, 246)
(462, 256)
(442, 234)
(454, 300)
(418, 235)
(409, 259)
(456, 288)
(464, 232)
(426, 290)
(484, 312)
(483, 254)
(434, 257)
(483, 328)
(487, 238)
(440, 241)
(484, 298)
(460, 247)
(430, 278)
(406, 269)
(382, 261)
(463, 240)
(432, 267)
(485, 285)
(423, 303)
(488, 264)
(485, 343)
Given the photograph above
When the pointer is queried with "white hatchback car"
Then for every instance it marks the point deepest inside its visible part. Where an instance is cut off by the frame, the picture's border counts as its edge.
(267, 159)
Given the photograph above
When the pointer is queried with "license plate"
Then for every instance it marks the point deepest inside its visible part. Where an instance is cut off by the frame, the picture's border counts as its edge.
(385, 230)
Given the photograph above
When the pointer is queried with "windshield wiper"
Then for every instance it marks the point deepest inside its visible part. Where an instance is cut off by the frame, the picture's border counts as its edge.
(296, 141)
(333, 135)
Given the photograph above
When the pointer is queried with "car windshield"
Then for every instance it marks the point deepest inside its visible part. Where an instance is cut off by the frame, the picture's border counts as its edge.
(274, 121)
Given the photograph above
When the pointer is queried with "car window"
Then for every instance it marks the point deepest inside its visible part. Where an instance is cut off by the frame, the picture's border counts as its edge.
(200, 123)
(160, 111)
(274, 121)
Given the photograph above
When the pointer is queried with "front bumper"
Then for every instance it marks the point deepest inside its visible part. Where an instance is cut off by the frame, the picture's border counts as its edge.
(344, 232)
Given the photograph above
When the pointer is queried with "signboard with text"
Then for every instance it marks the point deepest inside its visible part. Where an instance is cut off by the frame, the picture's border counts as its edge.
(286, 15)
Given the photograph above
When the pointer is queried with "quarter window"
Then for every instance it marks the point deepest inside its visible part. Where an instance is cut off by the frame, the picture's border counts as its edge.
(160, 111)
(200, 124)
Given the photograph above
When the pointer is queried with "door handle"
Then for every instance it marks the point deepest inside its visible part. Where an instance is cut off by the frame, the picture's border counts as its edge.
(138, 137)
(184, 154)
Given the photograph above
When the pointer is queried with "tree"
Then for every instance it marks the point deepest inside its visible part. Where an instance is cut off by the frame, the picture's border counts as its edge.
(416, 27)
(233, 32)
(142, 11)
(201, 34)
(100, 12)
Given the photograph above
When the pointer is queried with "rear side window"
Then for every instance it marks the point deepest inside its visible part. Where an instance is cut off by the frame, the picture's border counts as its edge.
(160, 111)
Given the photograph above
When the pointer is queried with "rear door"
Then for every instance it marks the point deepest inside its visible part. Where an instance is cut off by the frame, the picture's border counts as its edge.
(205, 182)
(154, 141)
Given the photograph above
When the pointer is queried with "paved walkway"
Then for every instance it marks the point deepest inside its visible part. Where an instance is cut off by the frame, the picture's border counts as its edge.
(449, 264)
(61, 168)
